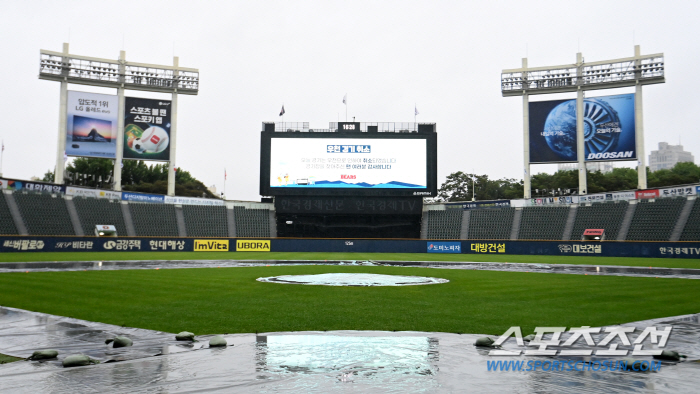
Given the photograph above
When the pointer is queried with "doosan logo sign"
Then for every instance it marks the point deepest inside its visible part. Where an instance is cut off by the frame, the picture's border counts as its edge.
(611, 155)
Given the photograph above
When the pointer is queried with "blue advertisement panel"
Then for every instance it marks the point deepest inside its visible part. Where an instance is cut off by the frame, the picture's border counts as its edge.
(147, 129)
(609, 129)
(444, 247)
(91, 128)
(140, 197)
(13, 184)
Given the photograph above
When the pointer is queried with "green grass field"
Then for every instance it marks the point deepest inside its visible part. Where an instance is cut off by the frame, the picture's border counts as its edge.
(230, 300)
(94, 256)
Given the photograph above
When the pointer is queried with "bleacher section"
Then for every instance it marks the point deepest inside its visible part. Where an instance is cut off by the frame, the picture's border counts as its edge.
(44, 214)
(491, 223)
(252, 222)
(691, 232)
(154, 219)
(93, 211)
(443, 224)
(7, 225)
(654, 220)
(605, 215)
(543, 223)
(205, 221)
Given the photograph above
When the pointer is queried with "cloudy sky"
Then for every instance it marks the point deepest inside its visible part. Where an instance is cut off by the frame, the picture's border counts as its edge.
(445, 57)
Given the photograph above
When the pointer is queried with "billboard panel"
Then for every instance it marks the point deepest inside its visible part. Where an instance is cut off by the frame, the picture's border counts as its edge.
(147, 129)
(348, 164)
(609, 129)
(91, 127)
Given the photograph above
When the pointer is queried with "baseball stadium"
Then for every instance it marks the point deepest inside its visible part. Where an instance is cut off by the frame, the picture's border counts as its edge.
(348, 274)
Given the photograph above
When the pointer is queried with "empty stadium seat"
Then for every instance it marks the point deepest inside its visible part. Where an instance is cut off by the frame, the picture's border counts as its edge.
(491, 223)
(44, 213)
(252, 222)
(7, 224)
(443, 224)
(691, 232)
(605, 215)
(154, 219)
(655, 220)
(93, 211)
(543, 222)
(205, 221)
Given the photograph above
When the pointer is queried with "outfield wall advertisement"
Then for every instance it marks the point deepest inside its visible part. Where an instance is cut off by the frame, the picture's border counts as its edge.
(91, 129)
(609, 129)
(689, 250)
(147, 129)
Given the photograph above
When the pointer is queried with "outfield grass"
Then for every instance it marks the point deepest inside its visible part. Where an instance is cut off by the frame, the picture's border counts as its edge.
(230, 300)
(589, 260)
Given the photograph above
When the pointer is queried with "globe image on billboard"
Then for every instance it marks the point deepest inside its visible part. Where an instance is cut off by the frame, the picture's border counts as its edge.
(560, 130)
(600, 122)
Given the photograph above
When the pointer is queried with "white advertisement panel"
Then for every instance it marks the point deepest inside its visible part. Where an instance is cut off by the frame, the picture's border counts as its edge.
(91, 125)
(192, 201)
(348, 163)
(94, 193)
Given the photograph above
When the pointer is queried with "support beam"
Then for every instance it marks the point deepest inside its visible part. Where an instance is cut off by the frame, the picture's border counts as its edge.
(173, 137)
(580, 137)
(118, 158)
(62, 125)
(639, 130)
(526, 142)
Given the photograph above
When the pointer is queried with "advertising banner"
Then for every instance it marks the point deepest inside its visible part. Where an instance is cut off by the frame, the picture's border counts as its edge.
(444, 247)
(211, 245)
(252, 245)
(192, 201)
(364, 163)
(479, 204)
(140, 197)
(147, 129)
(609, 129)
(12, 184)
(91, 129)
(679, 191)
(563, 200)
(94, 193)
(647, 194)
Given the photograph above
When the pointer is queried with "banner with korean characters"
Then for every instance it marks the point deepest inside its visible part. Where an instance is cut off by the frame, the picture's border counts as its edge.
(92, 244)
(444, 247)
(147, 129)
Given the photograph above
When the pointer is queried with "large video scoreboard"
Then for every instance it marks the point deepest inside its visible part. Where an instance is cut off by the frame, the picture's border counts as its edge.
(348, 164)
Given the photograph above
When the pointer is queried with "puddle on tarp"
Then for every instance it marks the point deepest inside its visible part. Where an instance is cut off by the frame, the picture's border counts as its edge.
(319, 362)
(510, 267)
(351, 279)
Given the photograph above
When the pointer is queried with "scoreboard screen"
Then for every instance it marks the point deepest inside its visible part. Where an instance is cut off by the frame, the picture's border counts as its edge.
(362, 164)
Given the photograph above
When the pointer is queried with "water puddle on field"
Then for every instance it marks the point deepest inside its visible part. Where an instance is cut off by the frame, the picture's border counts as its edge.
(313, 362)
(509, 267)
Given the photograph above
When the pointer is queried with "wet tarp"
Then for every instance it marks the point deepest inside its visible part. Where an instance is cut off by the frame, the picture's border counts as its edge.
(511, 267)
(317, 362)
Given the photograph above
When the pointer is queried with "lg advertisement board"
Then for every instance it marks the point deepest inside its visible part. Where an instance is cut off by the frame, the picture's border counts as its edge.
(609, 129)
(147, 129)
(360, 164)
(91, 128)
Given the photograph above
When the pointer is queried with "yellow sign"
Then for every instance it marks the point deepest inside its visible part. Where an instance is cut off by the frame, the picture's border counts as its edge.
(252, 245)
(211, 245)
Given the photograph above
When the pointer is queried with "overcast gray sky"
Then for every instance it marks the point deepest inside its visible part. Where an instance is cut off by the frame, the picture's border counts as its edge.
(253, 56)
